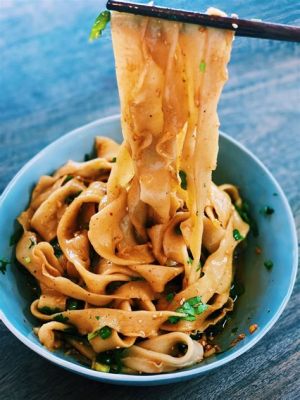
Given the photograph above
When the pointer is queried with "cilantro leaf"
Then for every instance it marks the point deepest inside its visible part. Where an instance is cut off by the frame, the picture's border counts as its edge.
(191, 308)
(183, 179)
(170, 297)
(3, 265)
(267, 210)
(202, 66)
(268, 264)
(61, 318)
(237, 236)
(99, 25)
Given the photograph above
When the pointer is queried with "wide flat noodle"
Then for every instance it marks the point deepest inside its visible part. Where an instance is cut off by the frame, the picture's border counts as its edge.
(133, 248)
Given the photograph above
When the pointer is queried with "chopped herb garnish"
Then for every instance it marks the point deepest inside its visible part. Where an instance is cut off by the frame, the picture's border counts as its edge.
(105, 332)
(61, 318)
(100, 367)
(189, 261)
(67, 179)
(183, 179)
(191, 307)
(243, 211)
(173, 319)
(198, 266)
(3, 265)
(237, 236)
(92, 155)
(71, 197)
(202, 66)
(177, 230)
(113, 358)
(114, 159)
(99, 25)
(71, 330)
(170, 297)
(56, 247)
(268, 264)
(97, 317)
(32, 243)
(27, 260)
(92, 335)
(74, 304)
(48, 310)
(16, 236)
(267, 210)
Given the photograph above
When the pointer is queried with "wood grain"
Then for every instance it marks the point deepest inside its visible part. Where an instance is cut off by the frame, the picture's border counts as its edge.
(52, 81)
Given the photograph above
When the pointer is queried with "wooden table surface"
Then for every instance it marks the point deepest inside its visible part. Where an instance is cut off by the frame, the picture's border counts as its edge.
(52, 80)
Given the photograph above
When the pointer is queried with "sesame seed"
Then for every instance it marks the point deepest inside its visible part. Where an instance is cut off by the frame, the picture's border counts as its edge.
(235, 26)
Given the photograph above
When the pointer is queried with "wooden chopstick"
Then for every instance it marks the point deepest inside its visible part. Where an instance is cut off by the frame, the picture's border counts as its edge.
(242, 27)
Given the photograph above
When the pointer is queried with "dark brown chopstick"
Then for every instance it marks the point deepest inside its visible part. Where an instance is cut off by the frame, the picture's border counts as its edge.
(242, 27)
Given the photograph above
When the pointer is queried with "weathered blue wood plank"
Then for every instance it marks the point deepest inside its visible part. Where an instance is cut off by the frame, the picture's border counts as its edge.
(52, 81)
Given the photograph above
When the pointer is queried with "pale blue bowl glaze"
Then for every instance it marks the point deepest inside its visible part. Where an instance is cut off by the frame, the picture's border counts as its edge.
(267, 292)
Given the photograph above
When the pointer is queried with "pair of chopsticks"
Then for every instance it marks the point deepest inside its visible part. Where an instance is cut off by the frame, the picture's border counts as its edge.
(242, 27)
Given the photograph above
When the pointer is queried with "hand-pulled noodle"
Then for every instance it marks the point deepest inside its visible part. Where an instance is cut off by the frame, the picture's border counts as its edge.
(133, 249)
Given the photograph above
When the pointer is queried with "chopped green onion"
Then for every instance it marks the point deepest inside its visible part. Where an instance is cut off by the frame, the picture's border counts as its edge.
(3, 265)
(237, 236)
(189, 261)
(173, 319)
(61, 318)
(92, 335)
(268, 264)
(74, 304)
(100, 367)
(105, 332)
(267, 210)
(99, 25)
(97, 317)
(67, 179)
(243, 211)
(56, 247)
(48, 310)
(71, 197)
(183, 179)
(198, 266)
(114, 159)
(202, 66)
(170, 297)
(113, 358)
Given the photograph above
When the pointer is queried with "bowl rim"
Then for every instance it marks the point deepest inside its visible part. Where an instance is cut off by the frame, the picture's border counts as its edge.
(171, 376)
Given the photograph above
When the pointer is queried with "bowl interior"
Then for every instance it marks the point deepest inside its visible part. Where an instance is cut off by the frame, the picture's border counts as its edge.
(266, 292)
